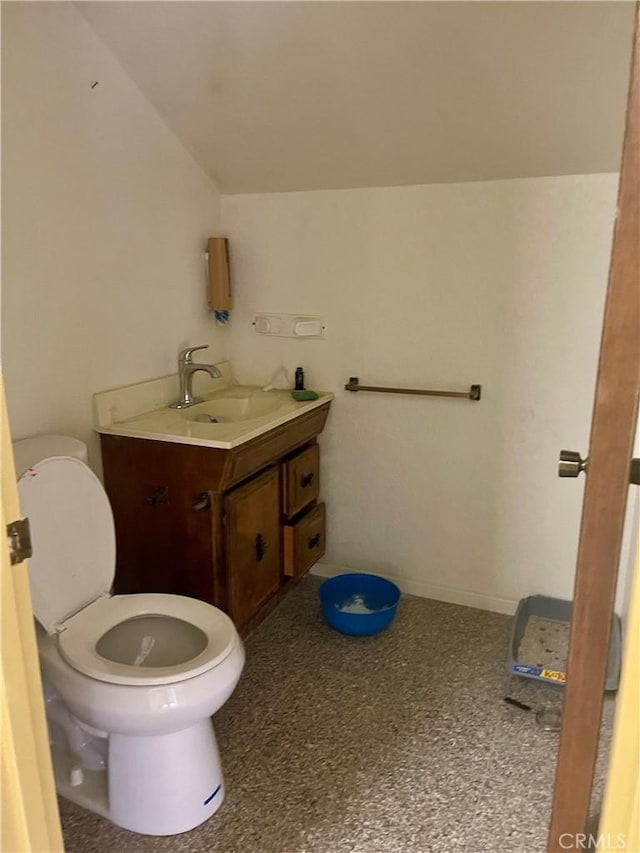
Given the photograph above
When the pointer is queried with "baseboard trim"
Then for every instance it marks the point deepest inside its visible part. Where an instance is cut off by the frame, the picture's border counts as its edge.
(427, 590)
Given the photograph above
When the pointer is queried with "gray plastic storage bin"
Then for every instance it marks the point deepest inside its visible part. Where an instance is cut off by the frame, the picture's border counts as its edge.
(557, 610)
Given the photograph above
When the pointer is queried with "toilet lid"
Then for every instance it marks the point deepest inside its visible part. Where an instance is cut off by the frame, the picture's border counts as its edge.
(73, 538)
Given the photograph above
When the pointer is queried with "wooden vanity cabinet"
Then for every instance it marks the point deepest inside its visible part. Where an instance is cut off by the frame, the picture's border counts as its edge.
(230, 527)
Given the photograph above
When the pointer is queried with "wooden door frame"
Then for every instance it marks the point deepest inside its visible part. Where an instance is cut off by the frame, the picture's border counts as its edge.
(612, 435)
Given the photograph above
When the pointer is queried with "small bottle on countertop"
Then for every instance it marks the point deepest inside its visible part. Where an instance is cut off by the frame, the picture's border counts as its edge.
(299, 386)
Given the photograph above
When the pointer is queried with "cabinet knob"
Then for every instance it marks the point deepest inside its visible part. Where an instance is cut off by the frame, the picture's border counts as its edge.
(160, 495)
(261, 547)
(203, 502)
(306, 480)
(314, 542)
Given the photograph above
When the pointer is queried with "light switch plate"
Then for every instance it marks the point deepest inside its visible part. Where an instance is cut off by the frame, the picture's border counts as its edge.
(301, 326)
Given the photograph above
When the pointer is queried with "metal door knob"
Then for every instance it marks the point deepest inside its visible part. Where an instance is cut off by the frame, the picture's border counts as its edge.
(571, 464)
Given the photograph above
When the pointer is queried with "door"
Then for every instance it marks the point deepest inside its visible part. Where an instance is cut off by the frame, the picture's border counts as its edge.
(30, 820)
(252, 532)
(607, 483)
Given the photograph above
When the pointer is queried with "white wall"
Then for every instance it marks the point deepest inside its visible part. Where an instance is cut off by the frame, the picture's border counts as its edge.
(496, 283)
(104, 221)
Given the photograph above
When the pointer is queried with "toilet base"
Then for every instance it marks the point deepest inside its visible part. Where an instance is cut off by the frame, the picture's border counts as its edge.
(154, 785)
(165, 784)
(90, 790)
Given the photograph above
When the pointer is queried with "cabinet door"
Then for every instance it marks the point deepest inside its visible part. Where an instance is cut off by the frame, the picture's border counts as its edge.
(252, 515)
(165, 541)
(164, 517)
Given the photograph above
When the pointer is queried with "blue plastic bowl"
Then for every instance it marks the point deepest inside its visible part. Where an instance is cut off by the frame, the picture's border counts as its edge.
(359, 604)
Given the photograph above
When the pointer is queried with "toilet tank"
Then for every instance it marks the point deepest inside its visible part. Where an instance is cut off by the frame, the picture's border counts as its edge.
(29, 451)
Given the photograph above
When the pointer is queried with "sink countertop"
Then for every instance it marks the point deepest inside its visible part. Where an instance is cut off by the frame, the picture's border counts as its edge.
(141, 411)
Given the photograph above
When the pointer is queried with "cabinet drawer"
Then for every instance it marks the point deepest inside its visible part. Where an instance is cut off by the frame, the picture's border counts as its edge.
(304, 542)
(301, 480)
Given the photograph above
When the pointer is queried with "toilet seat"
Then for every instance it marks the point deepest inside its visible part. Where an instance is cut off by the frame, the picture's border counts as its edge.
(80, 635)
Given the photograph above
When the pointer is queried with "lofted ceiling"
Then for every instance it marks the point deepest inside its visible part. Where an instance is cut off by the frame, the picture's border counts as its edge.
(279, 96)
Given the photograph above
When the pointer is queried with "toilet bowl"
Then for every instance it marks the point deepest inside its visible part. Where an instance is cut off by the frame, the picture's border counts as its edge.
(130, 681)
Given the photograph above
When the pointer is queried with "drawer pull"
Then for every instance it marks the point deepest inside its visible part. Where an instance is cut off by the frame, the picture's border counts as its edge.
(306, 480)
(261, 547)
(314, 542)
(160, 495)
(203, 502)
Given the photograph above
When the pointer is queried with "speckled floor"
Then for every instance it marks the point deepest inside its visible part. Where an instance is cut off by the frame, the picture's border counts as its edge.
(400, 742)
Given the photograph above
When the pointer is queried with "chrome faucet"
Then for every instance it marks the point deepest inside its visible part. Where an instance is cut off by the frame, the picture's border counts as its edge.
(186, 368)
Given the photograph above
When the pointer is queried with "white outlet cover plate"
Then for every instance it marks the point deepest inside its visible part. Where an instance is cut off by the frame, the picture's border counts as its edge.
(301, 326)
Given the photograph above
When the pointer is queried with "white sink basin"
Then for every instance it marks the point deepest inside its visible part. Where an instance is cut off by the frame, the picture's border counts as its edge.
(228, 416)
(233, 406)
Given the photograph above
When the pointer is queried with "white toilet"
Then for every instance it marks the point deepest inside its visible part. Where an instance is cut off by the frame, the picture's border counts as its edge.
(130, 681)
